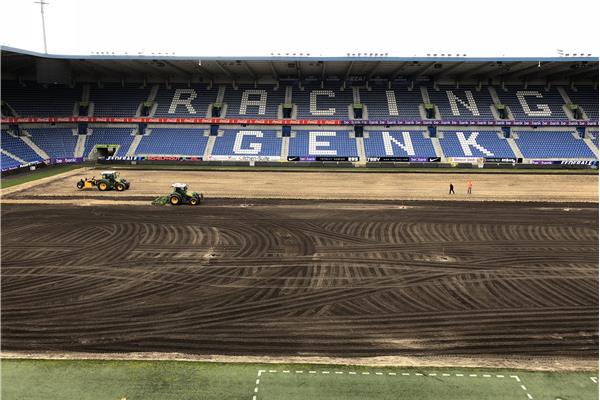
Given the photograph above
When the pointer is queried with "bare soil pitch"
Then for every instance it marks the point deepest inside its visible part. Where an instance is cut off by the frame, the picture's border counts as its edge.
(280, 279)
(328, 185)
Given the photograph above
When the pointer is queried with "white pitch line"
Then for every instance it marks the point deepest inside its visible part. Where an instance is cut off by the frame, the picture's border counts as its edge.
(516, 377)
(286, 372)
(254, 397)
(473, 375)
(272, 370)
(523, 387)
(365, 373)
(432, 374)
(445, 374)
(459, 374)
(418, 374)
(257, 382)
(405, 374)
(487, 376)
(325, 372)
(352, 373)
(378, 373)
(312, 372)
(392, 373)
(530, 397)
(339, 372)
(499, 376)
(299, 372)
(594, 379)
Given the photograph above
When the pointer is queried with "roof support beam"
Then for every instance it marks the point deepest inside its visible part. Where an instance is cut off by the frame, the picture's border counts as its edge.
(273, 70)
(423, 70)
(225, 70)
(398, 71)
(250, 71)
(323, 69)
(371, 72)
(347, 73)
(450, 68)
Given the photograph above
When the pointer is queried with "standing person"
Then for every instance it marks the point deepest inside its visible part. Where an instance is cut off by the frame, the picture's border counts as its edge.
(451, 191)
(469, 187)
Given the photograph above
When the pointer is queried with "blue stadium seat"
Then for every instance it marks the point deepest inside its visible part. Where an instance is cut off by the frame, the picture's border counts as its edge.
(329, 102)
(475, 144)
(533, 103)
(587, 98)
(114, 100)
(395, 103)
(395, 144)
(243, 102)
(8, 162)
(250, 142)
(323, 143)
(463, 104)
(18, 147)
(56, 142)
(120, 136)
(173, 141)
(34, 100)
(552, 144)
(172, 102)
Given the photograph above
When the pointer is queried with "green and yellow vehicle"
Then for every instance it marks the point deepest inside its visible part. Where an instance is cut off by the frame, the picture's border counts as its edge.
(110, 180)
(180, 195)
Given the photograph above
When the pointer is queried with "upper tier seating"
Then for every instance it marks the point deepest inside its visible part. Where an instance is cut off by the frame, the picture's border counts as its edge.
(475, 144)
(395, 103)
(323, 143)
(56, 142)
(18, 147)
(113, 100)
(533, 103)
(398, 143)
(464, 104)
(329, 102)
(551, 144)
(587, 98)
(34, 100)
(120, 136)
(248, 101)
(184, 101)
(247, 142)
(173, 141)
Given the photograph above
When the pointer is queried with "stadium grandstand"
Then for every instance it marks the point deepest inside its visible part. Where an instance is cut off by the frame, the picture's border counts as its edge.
(292, 110)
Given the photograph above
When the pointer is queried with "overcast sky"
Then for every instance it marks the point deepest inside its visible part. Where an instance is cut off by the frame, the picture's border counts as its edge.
(319, 27)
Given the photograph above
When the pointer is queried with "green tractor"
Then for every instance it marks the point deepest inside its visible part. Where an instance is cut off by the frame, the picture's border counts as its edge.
(180, 195)
(110, 180)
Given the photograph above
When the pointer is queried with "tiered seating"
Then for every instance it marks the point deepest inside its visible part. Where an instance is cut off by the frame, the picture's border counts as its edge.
(464, 103)
(34, 100)
(552, 144)
(395, 103)
(113, 100)
(8, 162)
(323, 143)
(327, 103)
(587, 98)
(398, 144)
(475, 144)
(247, 142)
(538, 104)
(173, 141)
(120, 136)
(175, 102)
(56, 142)
(248, 101)
(18, 147)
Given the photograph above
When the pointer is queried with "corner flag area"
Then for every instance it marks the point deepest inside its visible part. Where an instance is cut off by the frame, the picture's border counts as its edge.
(171, 380)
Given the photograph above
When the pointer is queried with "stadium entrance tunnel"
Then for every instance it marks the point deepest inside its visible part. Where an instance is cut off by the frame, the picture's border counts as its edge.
(106, 150)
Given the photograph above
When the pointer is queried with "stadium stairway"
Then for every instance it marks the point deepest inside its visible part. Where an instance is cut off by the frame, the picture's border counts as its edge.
(513, 146)
(285, 148)
(38, 150)
(360, 148)
(209, 147)
(80, 146)
(134, 145)
(591, 145)
(438, 148)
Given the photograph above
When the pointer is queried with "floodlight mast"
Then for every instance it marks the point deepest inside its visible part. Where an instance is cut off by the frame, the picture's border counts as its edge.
(42, 3)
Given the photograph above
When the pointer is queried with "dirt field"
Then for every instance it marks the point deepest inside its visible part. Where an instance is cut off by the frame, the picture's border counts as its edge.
(286, 278)
(330, 185)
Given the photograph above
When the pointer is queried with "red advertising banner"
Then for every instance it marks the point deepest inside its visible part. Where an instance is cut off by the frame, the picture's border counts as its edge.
(133, 120)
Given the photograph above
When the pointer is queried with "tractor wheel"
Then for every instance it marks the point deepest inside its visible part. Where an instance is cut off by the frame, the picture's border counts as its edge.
(120, 187)
(194, 201)
(102, 186)
(175, 200)
(80, 185)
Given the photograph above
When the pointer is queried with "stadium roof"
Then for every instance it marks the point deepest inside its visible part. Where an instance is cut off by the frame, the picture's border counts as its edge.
(23, 64)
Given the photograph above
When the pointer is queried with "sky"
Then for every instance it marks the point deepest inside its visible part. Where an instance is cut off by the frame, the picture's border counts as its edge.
(477, 28)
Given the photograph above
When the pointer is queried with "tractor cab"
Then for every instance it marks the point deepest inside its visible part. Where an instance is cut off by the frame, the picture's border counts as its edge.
(180, 195)
(110, 175)
(180, 188)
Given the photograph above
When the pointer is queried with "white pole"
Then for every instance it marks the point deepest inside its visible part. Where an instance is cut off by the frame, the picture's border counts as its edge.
(42, 4)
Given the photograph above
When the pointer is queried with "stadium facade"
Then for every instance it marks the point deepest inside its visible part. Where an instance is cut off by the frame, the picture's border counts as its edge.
(358, 111)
